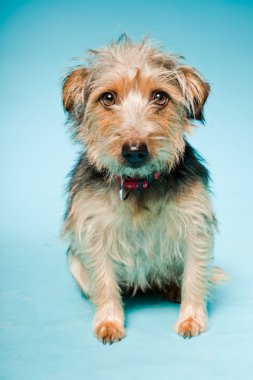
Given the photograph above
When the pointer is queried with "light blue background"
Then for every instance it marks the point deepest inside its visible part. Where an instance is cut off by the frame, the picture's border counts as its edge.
(45, 323)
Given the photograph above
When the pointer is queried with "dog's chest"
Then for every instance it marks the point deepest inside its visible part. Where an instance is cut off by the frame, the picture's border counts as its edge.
(148, 245)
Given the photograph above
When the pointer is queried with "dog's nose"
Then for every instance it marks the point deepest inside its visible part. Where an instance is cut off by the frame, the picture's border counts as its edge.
(135, 153)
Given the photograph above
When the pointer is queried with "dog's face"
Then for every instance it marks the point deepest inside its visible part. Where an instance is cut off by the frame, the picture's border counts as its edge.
(131, 107)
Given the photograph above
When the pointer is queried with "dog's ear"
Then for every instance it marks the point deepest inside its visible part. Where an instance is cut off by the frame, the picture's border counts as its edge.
(73, 91)
(196, 92)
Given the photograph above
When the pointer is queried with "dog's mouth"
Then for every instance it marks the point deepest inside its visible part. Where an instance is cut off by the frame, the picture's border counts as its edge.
(135, 165)
(139, 171)
(124, 169)
(127, 180)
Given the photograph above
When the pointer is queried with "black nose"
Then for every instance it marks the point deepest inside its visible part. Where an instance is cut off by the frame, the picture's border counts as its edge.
(134, 153)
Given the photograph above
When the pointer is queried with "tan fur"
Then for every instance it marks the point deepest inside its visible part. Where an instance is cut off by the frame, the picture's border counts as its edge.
(73, 88)
(109, 332)
(189, 327)
(158, 237)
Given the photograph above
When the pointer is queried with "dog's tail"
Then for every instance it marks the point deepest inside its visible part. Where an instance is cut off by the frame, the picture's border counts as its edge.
(217, 276)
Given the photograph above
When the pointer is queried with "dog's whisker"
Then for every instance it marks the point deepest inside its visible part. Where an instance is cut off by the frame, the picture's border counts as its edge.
(102, 155)
(158, 138)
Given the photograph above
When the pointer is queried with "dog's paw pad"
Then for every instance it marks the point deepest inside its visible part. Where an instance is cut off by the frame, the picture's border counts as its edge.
(189, 328)
(109, 332)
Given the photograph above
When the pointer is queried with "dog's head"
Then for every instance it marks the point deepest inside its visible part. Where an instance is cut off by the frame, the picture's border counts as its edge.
(131, 105)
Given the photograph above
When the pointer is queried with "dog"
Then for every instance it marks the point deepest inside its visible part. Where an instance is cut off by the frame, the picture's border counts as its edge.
(139, 214)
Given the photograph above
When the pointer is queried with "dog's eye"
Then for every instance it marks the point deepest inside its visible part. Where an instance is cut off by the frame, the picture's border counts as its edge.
(160, 98)
(107, 99)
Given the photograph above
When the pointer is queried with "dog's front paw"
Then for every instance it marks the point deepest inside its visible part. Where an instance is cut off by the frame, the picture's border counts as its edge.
(189, 327)
(109, 331)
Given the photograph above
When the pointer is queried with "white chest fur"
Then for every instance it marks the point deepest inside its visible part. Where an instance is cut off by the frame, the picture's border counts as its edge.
(138, 247)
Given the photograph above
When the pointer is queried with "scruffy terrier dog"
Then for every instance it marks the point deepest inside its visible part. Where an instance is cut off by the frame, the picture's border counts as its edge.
(139, 215)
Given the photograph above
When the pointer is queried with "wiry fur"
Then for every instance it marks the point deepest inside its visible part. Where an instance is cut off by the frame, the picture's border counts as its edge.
(160, 238)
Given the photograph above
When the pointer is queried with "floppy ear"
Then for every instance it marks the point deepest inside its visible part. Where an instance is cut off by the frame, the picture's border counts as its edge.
(73, 92)
(196, 92)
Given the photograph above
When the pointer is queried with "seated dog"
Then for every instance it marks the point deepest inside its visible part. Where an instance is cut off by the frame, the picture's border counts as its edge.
(139, 214)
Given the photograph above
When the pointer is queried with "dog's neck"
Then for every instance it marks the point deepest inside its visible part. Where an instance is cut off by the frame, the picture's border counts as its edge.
(188, 170)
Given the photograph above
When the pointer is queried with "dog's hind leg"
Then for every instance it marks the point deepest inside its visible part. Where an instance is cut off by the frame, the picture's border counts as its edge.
(78, 272)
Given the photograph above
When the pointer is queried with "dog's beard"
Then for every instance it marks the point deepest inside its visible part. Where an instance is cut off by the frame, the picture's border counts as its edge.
(123, 170)
(163, 162)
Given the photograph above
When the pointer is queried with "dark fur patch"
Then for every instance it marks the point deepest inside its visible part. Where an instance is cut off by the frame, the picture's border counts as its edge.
(83, 175)
(190, 170)
(168, 291)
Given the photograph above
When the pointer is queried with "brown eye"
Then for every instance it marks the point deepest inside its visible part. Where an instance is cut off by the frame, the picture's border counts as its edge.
(107, 99)
(160, 98)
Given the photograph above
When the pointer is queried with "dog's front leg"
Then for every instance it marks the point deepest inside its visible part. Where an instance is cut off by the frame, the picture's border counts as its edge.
(108, 323)
(198, 253)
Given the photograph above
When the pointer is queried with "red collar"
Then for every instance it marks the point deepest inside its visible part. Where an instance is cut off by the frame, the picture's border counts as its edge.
(131, 184)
